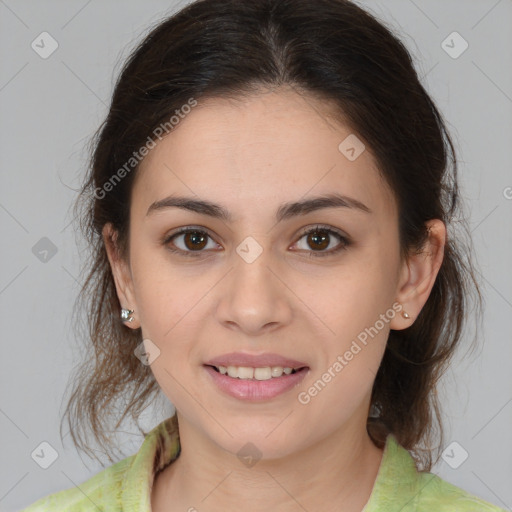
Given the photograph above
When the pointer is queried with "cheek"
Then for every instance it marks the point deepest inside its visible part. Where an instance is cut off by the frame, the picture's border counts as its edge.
(170, 300)
(356, 294)
(356, 307)
(164, 296)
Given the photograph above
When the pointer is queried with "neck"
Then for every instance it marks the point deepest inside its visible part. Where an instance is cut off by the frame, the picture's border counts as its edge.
(337, 473)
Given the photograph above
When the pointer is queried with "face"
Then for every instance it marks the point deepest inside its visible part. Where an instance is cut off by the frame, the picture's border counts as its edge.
(311, 289)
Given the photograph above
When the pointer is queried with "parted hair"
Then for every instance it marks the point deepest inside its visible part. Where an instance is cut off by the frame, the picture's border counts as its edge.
(328, 49)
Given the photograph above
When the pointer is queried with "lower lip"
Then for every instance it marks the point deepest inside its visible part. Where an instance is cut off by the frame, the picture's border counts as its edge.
(256, 390)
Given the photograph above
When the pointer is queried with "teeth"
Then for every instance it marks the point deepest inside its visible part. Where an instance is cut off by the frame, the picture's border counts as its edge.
(245, 372)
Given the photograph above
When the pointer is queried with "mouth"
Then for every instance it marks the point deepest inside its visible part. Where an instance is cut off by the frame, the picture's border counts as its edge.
(255, 384)
(259, 373)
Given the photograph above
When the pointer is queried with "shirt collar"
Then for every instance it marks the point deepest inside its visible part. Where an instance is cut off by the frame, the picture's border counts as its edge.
(396, 484)
(161, 446)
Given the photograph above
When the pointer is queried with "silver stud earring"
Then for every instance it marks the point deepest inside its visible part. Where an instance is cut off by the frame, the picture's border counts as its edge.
(127, 315)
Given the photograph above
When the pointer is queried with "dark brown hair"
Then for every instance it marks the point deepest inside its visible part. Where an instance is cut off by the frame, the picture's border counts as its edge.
(329, 49)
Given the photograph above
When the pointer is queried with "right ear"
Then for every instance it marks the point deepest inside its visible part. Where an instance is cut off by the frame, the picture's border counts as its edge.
(121, 273)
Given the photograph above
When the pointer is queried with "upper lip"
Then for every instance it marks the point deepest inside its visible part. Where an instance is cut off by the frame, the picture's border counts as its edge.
(254, 361)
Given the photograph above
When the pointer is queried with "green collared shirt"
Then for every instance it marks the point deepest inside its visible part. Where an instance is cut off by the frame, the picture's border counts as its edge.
(126, 485)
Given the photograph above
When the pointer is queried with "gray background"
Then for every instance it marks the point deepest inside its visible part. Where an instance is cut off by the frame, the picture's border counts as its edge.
(49, 109)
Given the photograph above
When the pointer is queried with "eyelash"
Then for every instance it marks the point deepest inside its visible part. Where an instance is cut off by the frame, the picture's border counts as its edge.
(344, 241)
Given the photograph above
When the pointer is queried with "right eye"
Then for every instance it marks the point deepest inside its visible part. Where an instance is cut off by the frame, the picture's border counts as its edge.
(189, 241)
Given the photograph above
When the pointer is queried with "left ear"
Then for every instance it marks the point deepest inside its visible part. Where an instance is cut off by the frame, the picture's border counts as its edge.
(418, 275)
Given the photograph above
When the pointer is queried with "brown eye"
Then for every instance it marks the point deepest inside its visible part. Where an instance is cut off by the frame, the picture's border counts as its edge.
(318, 240)
(321, 241)
(195, 240)
(190, 242)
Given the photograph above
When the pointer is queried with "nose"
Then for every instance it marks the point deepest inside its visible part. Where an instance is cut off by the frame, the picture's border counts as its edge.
(254, 297)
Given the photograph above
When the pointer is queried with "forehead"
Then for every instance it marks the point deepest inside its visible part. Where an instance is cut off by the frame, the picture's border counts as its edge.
(253, 151)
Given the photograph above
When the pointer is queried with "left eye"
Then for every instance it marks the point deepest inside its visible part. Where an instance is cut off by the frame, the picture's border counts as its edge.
(320, 238)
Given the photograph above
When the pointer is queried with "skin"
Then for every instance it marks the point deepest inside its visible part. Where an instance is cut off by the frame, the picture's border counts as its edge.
(250, 156)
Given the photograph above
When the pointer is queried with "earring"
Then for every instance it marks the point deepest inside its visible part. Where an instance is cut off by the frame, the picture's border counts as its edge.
(405, 314)
(375, 410)
(126, 315)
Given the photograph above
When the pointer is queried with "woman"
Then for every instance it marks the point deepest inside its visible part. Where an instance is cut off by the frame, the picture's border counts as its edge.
(269, 208)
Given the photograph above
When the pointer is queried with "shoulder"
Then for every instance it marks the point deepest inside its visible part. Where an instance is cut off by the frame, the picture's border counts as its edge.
(437, 494)
(101, 492)
(126, 485)
(400, 486)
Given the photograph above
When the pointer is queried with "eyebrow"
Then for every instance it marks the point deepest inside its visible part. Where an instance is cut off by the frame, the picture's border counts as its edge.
(284, 212)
